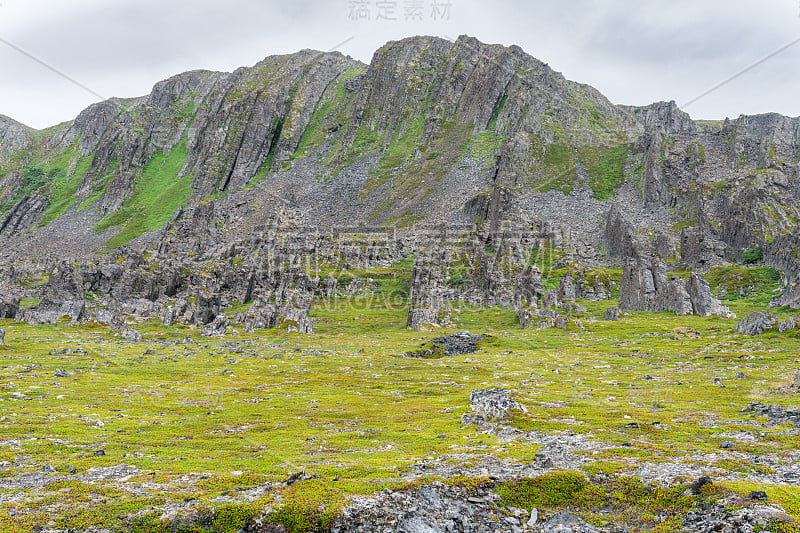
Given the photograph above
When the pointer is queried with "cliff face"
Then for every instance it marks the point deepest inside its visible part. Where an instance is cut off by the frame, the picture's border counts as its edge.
(430, 131)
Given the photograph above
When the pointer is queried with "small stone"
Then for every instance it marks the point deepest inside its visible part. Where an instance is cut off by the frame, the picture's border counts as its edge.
(99, 453)
(71, 469)
(48, 469)
(727, 445)
(758, 495)
(534, 517)
(697, 486)
(542, 461)
(633, 425)
(740, 375)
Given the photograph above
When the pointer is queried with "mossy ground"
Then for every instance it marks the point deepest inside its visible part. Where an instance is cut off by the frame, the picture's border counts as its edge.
(207, 416)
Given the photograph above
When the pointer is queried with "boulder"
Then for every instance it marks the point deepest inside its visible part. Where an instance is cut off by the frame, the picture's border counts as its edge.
(524, 316)
(260, 316)
(2, 337)
(788, 325)
(491, 405)
(566, 522)
(567, 291)
(426, 298)
(206, 307)
(612, 313)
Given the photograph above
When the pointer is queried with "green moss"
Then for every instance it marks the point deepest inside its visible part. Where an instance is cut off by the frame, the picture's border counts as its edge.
(485, 144)
(760, 284)
(550, 490)
(309, 506)
(753, 255)
(607, 170)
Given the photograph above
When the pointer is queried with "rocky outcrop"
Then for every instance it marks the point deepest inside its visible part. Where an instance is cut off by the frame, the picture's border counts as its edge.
(216, 328)
(460, 343)
(9, 305)
(697, 251)
(646, 286)
(703, 303)
(584, 283)
(665, 118)
(528, 290)
(62, 296)
(618, 236)
(294, 317)
(757, 323)
(426, 305)
(782, 253)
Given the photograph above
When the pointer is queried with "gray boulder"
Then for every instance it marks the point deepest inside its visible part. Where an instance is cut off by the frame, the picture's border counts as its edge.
(206, 307)
(647, 286)
(492, 405)
(612, 313)
(787, 325)
(565, 522)
(2, 337)
(460, 343)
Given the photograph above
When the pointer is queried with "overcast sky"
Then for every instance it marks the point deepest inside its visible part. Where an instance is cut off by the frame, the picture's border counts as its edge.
(634, 51)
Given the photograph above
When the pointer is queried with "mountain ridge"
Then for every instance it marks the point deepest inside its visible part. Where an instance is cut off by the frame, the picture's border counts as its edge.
(429, 132)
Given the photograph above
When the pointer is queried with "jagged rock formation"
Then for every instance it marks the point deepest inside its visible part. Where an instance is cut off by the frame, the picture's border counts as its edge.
(646, 286)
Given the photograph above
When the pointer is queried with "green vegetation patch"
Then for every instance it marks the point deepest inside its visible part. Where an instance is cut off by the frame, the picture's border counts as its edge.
(757, 285)
(159, 191)
(63, 187)
(607, 170)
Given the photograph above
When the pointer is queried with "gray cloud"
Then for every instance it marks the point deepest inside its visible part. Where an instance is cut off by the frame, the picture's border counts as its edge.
(634, 52)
